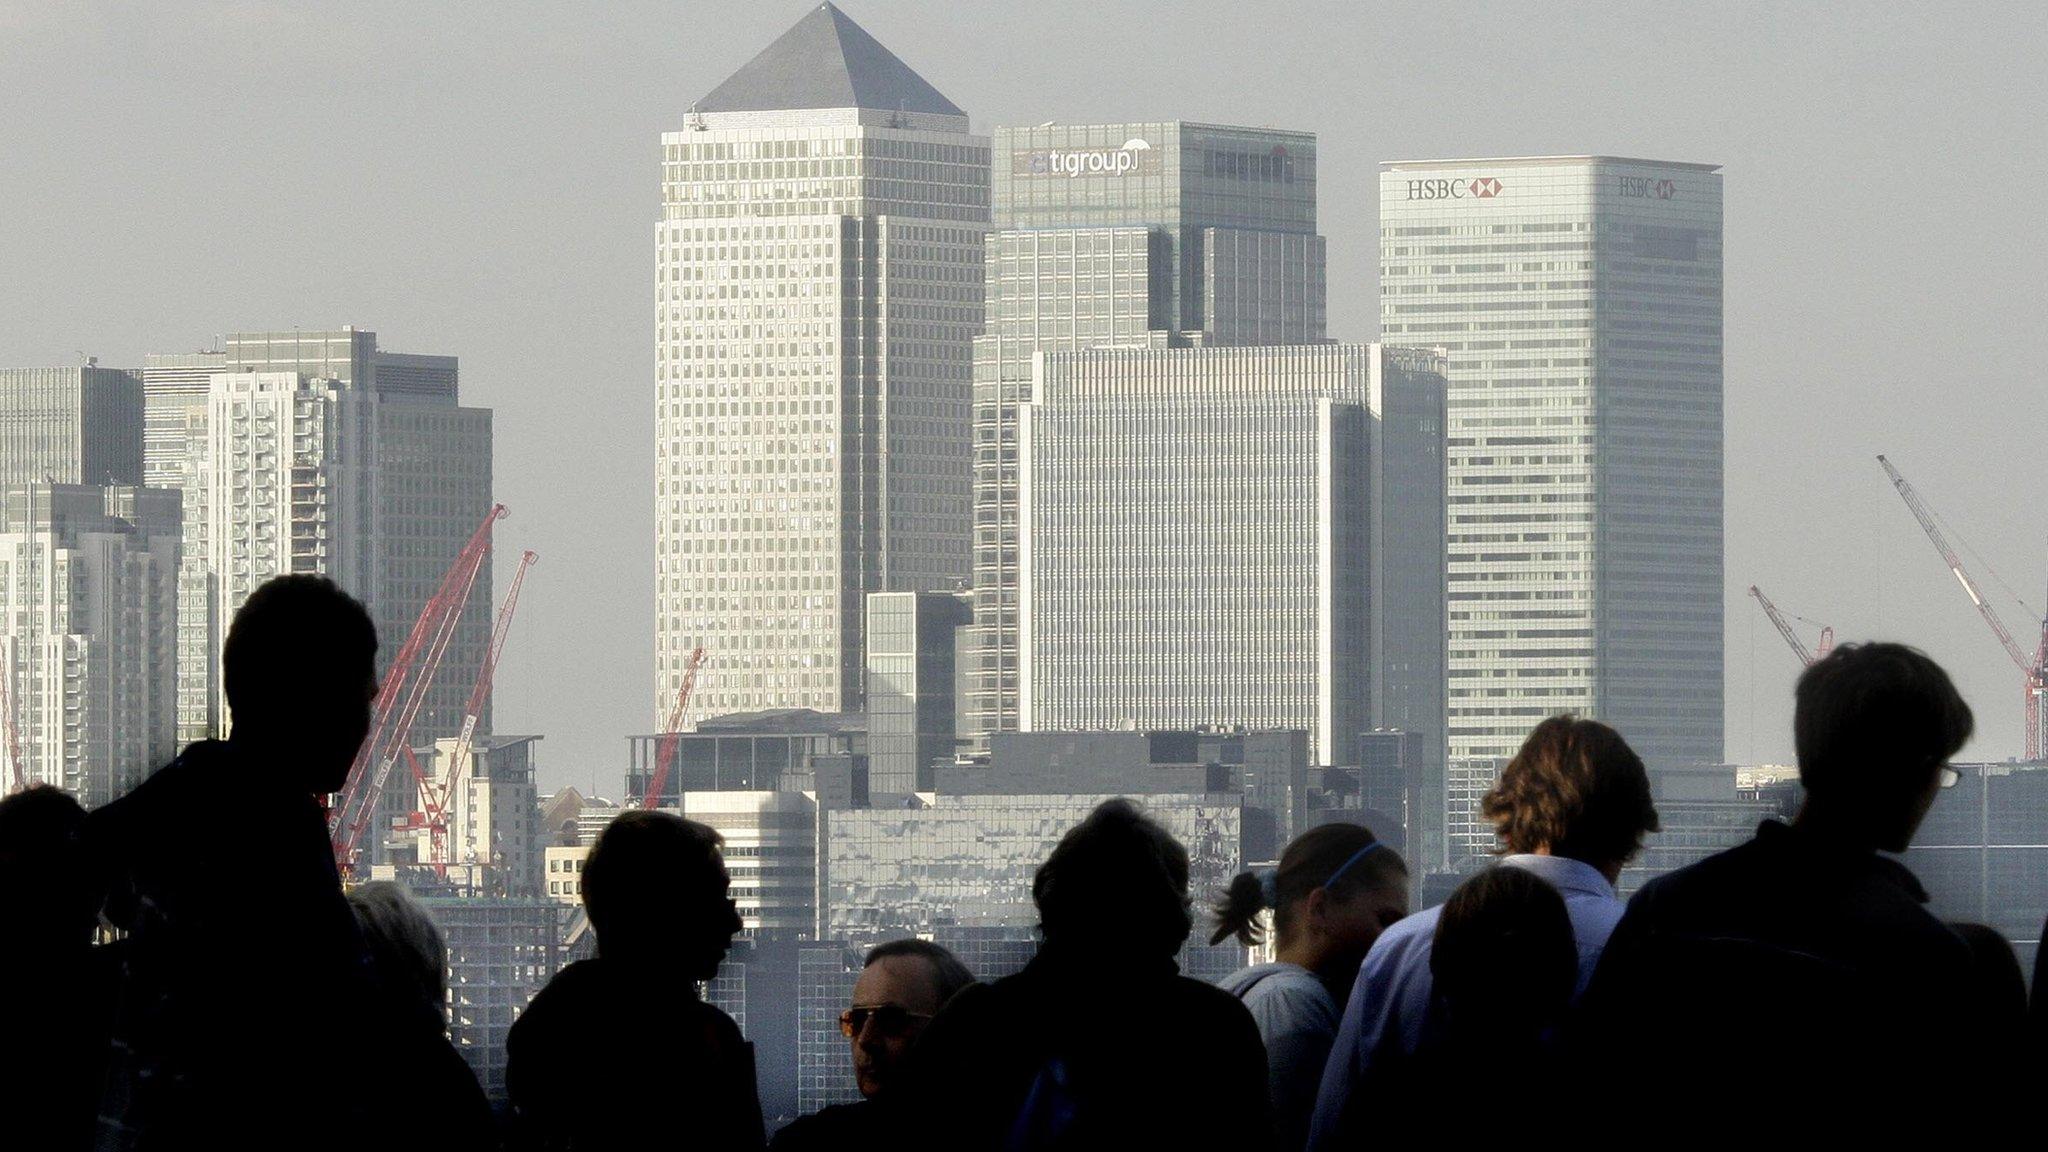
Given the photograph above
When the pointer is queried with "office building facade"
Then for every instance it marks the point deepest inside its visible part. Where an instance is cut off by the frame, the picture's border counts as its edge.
(70, 426)
(303, 460)
(1196, 539)
(911, 641)
(1152, 234)
(1578, 300)
(88, 591)
(818, 269)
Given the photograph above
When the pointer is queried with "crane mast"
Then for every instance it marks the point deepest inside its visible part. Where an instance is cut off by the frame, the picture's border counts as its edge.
(1784, 627)
(2029, 666)
(13, 733)
(671, 732)
(435, 794)
(401, 695)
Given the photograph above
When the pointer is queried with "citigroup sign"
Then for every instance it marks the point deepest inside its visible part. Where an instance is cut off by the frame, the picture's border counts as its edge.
(1135, 156)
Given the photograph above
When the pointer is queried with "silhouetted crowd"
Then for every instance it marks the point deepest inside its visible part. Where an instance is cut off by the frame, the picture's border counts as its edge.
(1792, 987)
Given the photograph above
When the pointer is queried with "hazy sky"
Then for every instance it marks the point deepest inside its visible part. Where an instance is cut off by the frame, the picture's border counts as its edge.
(482, 179)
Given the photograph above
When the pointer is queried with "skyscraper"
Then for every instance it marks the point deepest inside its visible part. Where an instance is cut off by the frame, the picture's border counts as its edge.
(319, 452)
(88, 583)
(1199, 530)
(70, 426)
(817, 285)
(1157, 234)
(1579, 301)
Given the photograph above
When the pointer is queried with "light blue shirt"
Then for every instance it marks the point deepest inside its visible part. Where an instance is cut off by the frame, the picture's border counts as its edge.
(1393, 1011)
(1297, 1019)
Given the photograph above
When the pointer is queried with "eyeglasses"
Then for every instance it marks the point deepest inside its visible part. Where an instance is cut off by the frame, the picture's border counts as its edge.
(890, 1019)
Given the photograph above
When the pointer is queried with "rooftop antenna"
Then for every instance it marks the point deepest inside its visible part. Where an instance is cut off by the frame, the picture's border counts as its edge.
(693, 119)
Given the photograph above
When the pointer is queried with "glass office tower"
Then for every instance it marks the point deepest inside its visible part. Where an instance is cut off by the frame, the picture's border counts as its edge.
(818, 283)
(1153, 234)
(1579, 302)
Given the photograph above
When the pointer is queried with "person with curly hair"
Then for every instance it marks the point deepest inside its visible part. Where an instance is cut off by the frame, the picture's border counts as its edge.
(1572, 809)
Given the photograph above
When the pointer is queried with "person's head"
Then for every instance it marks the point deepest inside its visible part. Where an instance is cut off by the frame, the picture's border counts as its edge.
(405, 944)
(1335, 890)
(1576, 789)
(47, 895)
(300, 670)
(1504, 961)
(902, 985)
(1875, 725)
(1115, 885)
(655, 887)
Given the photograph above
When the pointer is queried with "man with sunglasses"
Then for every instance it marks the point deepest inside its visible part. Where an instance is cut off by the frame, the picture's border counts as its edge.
(1804, 961)
(902, 985)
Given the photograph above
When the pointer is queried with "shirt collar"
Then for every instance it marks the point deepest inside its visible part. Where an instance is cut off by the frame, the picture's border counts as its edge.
(1564, 874)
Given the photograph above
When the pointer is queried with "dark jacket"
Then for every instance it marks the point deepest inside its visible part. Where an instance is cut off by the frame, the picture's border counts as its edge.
(1083, 1053)
(846, 1127)
(610, 1056)
(1806, 970)
(241, 947)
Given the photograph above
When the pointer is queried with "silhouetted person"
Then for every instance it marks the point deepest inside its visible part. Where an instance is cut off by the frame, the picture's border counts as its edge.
(247, 1001)
(618, 1052)
(1505, 964)
(1336, 889)
(902, 986)
(1805, 957)
(1098, 1042)
(432, 1095)
(1571, 808)
(53, 1026)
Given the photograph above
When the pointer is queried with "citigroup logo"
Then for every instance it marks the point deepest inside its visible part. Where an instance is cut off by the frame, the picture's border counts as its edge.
(1122, 161)
(1477, 188)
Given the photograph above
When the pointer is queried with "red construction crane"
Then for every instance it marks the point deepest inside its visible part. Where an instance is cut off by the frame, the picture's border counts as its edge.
(13, 733)
(665, 748)
(2029, 665)
(401, 694)
(435, 794)
(1784, 626)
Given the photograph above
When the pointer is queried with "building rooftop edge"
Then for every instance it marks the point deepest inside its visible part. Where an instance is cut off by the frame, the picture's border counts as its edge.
(1303, 133)
(1529, 161)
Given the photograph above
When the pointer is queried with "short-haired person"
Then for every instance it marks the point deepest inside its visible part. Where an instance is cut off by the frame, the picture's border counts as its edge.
(902, 985)
(433, 1096)
(1099, 1042)
(1335, 890)
(1805, 958)
(1571, 808)
(59, 987)
(194, 1060)
(618, 1052)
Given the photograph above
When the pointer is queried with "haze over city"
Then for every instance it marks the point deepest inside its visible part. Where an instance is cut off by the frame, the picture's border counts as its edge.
(481, 181)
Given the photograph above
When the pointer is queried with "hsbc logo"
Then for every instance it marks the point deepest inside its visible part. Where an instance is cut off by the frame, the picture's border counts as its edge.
(1645, 188)
(1477, 188)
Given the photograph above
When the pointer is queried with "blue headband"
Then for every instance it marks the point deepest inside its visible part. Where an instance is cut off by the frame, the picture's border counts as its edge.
(1346, 866)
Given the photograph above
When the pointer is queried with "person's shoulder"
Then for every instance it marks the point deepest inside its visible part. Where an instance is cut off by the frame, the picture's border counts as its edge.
(835, 1126)
(1202, 996)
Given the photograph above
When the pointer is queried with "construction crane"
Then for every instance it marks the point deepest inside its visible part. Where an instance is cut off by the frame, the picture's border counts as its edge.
(1784, 626)
(671, 733)
(12, 732)
(436, 794)
(400, 696)
(2029, 665)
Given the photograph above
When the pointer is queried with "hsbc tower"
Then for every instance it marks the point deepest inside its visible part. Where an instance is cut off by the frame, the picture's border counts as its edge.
(1578, 300)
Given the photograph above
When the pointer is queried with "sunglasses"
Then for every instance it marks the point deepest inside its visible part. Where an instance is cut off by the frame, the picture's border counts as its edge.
(890, 1019)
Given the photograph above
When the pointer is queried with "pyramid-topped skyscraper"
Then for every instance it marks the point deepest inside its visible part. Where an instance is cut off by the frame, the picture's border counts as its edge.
(817, 291)
(826, 61)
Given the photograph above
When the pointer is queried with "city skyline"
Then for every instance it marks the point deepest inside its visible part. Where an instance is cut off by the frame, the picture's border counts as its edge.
(1808, 515)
